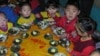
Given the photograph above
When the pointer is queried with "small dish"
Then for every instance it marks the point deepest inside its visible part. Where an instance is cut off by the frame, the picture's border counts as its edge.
(14, 30)
(53, 43)
(52, 50)
(48, 36)
(64, 42)
(3, 37)
(24, 35)
(17, 41)
(35, 33)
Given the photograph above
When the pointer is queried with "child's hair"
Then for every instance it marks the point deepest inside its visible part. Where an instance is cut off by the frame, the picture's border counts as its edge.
(2, 2)
(52, 3)
(96, 36)
(95, 51)
(3, 13)
(24, 1)
(74, 3)
(23, 4)
(87, 24)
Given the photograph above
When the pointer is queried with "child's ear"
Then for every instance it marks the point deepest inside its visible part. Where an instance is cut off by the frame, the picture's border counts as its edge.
(78, 12)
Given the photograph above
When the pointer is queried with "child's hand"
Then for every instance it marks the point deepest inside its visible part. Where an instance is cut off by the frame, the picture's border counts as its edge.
(68, 49)
(31, 23)
(37, 15)
(64, 35)
(53, 27)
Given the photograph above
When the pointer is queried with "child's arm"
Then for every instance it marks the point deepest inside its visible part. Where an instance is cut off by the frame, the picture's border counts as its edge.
(85, 52)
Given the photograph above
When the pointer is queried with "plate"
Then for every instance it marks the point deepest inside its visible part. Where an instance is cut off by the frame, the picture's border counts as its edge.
(52, 50)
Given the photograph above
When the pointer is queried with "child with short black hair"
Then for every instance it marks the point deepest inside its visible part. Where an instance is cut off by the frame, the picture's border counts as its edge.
(51, 11)
(4, 24)
(69, 20)
(26, 17)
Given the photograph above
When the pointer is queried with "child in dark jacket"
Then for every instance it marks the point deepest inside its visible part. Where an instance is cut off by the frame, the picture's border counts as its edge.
(85, 45)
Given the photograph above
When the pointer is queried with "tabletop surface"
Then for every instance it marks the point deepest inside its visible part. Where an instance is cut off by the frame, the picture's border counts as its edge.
(34, 45)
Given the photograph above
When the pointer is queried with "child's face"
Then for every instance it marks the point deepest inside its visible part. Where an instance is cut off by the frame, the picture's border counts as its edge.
(25, 11)
(3, 20)
(51, 10)
(71, 12)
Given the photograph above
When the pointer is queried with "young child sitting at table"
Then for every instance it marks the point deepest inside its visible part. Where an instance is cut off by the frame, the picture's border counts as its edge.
(26, 17)
(4, 24)
(85, 45)
(51, 11)
(68, 21)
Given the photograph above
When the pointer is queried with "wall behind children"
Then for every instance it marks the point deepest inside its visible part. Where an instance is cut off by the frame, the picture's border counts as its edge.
(95, 13)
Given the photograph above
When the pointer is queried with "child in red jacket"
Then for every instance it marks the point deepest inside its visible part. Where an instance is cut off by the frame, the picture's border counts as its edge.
(69, 20)
(85, 45)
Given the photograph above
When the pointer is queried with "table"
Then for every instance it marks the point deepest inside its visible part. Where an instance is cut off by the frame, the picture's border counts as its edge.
(34, 45)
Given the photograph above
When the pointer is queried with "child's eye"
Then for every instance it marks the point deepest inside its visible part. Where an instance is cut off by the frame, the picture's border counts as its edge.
(4, 20)
(74, 10)
(24, 10)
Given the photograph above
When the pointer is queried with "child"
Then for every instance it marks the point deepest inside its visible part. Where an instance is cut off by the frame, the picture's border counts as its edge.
(51, 11)
(4, 24)
(26, 17)
(95, 52)
(69, 20)
(9, 12)
(85, 45)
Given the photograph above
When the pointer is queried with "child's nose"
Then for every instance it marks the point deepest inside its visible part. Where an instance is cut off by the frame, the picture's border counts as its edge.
(70, 13)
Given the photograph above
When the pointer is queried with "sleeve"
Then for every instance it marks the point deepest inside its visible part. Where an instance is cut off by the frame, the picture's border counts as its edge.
(59, 22)
(11, 15)
(72, 34)
(74, 37)
(86, 51)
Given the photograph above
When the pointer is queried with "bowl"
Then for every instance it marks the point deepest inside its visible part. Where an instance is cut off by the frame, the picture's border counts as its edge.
(35, 33)
(3, 51)
(43, 25)
(3, 37)
(17, 41)
(59, 54)
(53, 43)
(24, 35)
(48, 36)
(15, 54)
(15, 48)
(14, 30)
(25, 27)
(64, 42)
(59, 31)
(52, 50)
